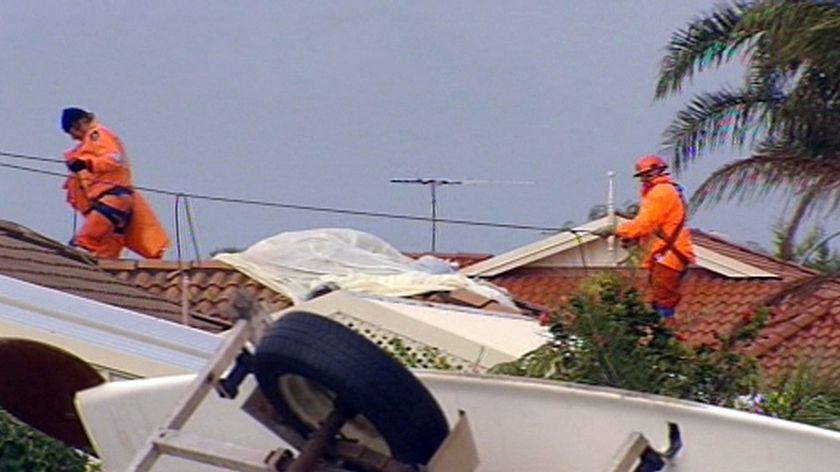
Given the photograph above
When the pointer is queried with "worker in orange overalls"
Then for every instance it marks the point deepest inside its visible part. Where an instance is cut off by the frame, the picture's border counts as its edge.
(660, 225)
(100, 187)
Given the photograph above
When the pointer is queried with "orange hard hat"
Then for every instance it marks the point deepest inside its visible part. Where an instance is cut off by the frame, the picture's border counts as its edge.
(649, 163)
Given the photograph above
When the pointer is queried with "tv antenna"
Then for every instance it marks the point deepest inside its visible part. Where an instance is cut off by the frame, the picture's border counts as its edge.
(435, 183)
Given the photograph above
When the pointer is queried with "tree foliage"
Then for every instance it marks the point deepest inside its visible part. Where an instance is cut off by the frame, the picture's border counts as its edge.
(785, 111)
(23, 449)
(812, 250)
(606, 335)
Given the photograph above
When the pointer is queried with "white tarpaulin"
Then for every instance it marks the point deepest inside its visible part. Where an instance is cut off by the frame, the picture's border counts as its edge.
(296, 262)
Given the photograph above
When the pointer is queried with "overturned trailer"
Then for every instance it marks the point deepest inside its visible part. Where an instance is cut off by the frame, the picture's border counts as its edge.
(305, 393)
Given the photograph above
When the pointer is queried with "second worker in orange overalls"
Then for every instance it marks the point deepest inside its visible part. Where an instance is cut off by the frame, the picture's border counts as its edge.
(99, 185)
(660, 223)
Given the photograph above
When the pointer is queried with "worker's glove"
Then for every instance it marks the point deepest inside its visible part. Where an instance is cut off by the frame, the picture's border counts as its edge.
(627, 243)
(604, 231)
(76, 165)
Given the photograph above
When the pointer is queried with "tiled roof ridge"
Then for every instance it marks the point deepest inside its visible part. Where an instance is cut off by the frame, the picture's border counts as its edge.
(751, 251)
(193, 314)
(164, 278)
(31, 236)
(162, 264)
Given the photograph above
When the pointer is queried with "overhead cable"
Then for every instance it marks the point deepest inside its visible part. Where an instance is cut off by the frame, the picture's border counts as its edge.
(287, 206)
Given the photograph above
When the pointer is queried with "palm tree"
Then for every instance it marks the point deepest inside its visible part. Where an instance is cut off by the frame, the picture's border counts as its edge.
(786, 112)
(812, 250)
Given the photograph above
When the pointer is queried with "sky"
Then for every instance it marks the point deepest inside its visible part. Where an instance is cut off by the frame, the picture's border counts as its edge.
(321, 103)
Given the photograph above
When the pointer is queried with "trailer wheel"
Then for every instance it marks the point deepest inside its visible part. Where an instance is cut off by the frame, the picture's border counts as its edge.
(307, 364)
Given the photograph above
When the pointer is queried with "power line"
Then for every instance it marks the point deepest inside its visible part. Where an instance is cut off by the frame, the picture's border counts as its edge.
(286, 206)
(30, 158)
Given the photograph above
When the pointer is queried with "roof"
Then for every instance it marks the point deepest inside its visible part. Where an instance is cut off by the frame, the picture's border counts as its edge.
(578, 247)
(212, 284)
(714, 300)
(31, 257)
(714, 303)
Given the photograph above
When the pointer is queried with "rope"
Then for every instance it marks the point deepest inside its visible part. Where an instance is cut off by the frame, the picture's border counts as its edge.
(193, 233)
(177, 229)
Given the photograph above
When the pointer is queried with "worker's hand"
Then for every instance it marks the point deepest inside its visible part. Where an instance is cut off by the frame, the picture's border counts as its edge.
(604, 231)
(76, 165)
(627, 243)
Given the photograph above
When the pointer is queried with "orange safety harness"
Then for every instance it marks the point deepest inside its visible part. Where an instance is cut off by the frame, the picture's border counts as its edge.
(670, 240)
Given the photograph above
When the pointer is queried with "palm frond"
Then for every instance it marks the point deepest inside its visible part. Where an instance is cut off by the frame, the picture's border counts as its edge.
(795, 31)
(787, 111)
(763, 174)
(704, 43)
(713, 119)
(819, 172)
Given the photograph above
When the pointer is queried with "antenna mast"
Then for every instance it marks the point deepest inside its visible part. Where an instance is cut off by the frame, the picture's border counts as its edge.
(435, 183)
(611, 216)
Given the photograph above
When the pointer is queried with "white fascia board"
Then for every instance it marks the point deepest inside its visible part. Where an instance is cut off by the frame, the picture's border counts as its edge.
(535, 251)
(725, 265)
(54, 316)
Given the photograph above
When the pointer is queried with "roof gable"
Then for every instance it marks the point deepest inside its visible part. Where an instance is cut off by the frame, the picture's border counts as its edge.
(578, 247)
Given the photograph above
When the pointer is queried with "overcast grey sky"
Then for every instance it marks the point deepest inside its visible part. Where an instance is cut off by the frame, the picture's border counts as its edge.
(320, 103)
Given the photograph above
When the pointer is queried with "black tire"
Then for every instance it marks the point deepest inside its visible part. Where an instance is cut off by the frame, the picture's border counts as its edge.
(305, 362)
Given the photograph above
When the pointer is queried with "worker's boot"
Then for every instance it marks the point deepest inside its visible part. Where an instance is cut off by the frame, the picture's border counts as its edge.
(669, 321)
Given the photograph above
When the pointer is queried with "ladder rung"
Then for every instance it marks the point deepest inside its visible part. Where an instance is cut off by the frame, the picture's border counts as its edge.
(217, 453)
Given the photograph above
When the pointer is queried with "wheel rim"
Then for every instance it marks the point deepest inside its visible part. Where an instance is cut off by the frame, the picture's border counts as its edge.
(311, 402)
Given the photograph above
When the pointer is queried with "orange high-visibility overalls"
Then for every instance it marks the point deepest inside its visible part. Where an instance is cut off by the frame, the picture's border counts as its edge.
(661, 223)
(102, 191)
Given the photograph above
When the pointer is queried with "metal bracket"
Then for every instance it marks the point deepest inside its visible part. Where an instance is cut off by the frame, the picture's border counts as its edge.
(228, 387)
(636, 450)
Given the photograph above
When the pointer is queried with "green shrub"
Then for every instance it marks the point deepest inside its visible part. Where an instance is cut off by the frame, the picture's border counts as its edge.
(23, 449)
(607, 335)
(808, 393)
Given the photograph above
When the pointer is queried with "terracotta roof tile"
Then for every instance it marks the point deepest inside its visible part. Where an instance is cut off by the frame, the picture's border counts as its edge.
(471, 299)
(31, 257)
(714, 305)
(211, 284)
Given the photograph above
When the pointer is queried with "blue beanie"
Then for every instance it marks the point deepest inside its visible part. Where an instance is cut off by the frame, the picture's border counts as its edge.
(69, 117)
